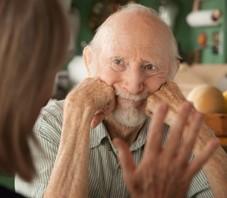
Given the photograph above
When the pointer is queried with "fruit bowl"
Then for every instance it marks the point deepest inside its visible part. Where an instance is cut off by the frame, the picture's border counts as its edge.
(217, 122)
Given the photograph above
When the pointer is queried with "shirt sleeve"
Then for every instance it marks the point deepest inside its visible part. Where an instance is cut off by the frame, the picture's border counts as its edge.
(47, 131)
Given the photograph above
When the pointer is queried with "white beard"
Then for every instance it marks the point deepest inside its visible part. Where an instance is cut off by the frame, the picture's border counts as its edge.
(130, 117)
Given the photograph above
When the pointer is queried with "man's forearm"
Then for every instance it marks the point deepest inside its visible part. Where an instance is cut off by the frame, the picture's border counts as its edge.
(69, 177)
(216, 167)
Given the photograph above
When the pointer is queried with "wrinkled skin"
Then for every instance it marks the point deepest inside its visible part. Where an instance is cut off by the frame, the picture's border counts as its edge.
(92, 94)
(170, 94)
(85, 105)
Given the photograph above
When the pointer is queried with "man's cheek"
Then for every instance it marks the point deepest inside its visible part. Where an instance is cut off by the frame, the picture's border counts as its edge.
(154, 87)
(108, 77)
(154, 84)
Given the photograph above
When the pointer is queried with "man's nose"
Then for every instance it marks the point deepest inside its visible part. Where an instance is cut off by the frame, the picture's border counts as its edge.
(133, 81)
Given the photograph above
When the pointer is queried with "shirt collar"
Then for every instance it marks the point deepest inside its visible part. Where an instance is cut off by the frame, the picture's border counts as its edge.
(97, 134)
(142, 136)
(100, 132)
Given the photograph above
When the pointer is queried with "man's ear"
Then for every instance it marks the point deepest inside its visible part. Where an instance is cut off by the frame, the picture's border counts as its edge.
(178, 62)
(173, 71)
(177, 65)
(87, 57)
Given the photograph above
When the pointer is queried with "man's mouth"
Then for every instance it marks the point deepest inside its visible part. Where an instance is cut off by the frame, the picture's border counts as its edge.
(125, 102)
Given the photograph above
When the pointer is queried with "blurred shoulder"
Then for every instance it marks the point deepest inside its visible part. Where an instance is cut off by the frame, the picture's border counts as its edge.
(51, 116)
(54, 108)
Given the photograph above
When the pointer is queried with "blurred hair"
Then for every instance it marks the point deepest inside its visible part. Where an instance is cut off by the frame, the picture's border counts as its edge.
(34, 40)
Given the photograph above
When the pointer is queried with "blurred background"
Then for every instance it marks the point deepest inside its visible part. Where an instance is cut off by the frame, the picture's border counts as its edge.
(200, 26)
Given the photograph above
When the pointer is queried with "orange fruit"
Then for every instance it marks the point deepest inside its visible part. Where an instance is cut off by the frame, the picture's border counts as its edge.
(225, 98)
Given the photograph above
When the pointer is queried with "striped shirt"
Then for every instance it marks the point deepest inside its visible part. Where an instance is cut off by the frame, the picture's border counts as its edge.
(105, 174)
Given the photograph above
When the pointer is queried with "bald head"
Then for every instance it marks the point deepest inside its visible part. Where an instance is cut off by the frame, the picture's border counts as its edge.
(136, 21)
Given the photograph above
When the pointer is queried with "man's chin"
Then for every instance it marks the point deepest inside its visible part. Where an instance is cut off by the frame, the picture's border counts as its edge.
(129, 117)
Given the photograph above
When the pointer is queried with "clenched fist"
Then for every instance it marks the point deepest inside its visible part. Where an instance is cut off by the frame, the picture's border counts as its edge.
(170, 94)
(91, 95)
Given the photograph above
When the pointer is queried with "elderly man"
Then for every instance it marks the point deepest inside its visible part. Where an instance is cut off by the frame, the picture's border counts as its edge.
(132, 56)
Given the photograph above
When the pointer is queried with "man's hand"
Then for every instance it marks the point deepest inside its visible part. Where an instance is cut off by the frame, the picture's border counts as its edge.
(93, 95)
(165, 171)
(171, 95)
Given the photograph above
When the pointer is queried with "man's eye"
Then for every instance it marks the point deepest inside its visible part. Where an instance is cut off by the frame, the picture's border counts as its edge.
(118, 64)
(118, 61)
(150, 68)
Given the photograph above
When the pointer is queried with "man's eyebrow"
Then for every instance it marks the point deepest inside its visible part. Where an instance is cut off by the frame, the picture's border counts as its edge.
(120, 57)
(146, 61)
(149, 62)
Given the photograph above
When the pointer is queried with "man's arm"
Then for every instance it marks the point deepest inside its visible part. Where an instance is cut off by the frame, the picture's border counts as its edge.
(216, 168)
(69, 178)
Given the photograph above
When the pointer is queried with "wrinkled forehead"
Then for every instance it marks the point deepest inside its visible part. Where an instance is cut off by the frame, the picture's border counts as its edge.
(136, 35)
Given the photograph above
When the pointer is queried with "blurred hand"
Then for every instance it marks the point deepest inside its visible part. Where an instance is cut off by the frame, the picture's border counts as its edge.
(165, 171)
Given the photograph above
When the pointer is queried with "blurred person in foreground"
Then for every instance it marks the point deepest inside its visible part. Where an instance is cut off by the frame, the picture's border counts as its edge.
(34, 40)
(106, 138)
